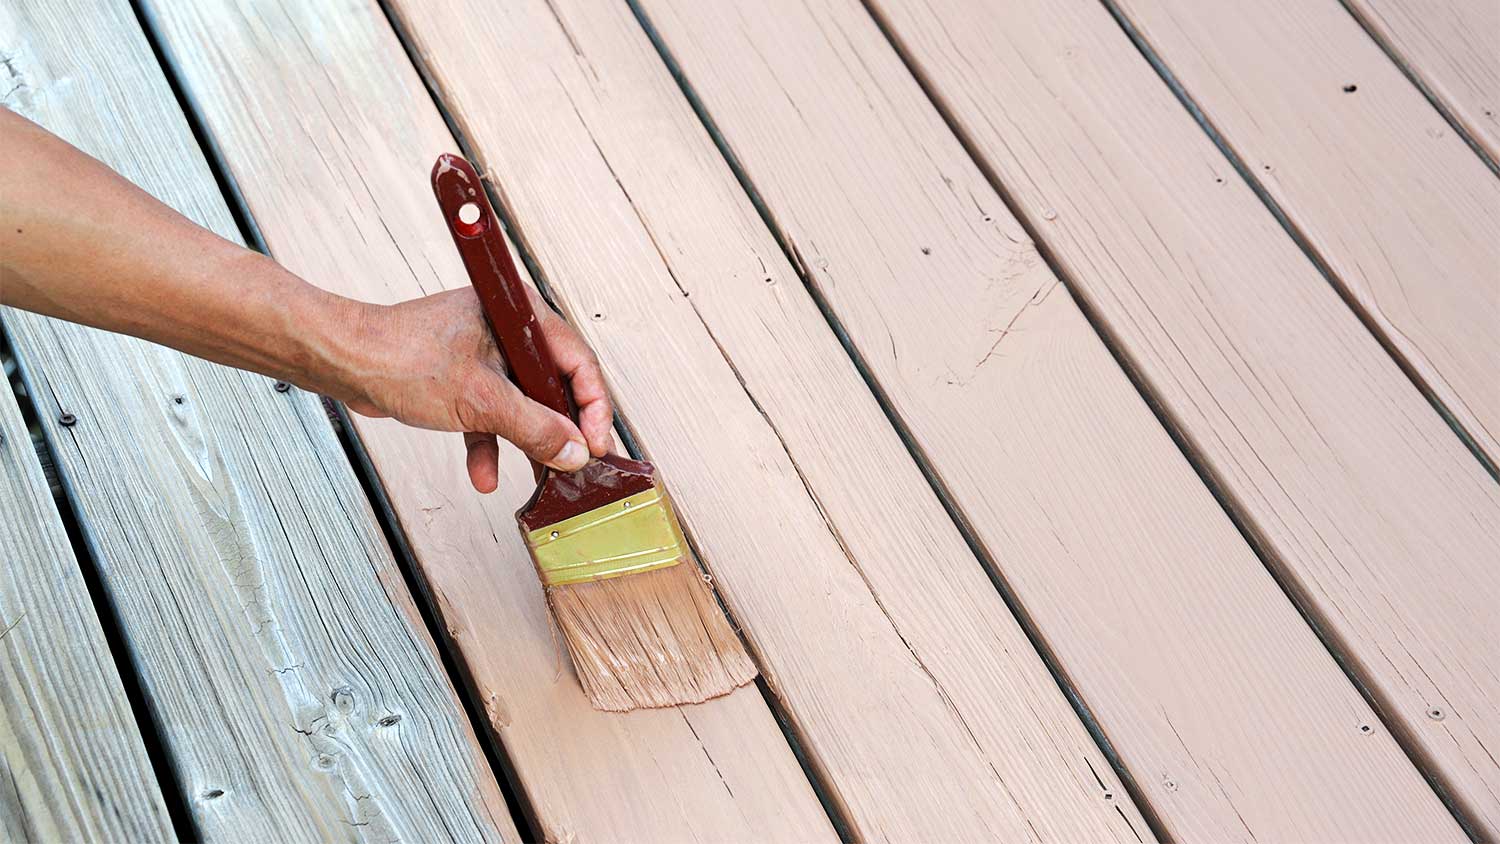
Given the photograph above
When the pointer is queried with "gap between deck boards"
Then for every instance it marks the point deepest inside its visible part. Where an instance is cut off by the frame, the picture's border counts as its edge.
(173, 796)
(522, 812)
(1297, 235)
(903, 431)
(621, 426)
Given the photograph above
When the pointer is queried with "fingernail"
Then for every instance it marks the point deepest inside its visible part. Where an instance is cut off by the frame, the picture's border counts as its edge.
(571, 457)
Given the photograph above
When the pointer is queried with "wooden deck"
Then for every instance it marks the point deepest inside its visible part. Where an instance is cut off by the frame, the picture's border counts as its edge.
(1088, 411)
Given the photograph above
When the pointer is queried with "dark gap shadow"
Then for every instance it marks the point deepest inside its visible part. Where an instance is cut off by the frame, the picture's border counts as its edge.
(1269, 558)
(521, 811)
(1297, 235)
(986, 560)
(152, 730)
(621, 426)
(1421, 85)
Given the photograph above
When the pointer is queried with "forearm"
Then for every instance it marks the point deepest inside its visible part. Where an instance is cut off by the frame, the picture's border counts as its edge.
(81, 243)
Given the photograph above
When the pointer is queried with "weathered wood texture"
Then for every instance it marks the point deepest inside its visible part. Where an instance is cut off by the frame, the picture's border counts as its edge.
(330, 134)
(1374, 514)
(1053, 783)
(899, 755)
(297, 691)
(1097, 520)
(1405, 215)
(1449, 47)
(72, 766)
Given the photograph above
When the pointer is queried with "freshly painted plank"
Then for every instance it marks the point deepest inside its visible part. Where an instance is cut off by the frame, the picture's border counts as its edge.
(295, 687)
(72, 765)
(1099, 521)
(1055, 775)
(1449, 47)
(1375, 516)
(1392, 200)
(330, 134)
(904, 733)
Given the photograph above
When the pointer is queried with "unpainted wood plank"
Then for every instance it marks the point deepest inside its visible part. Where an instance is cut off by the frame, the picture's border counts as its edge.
(1448, 46)
(1397, 206)
(330, 134)
(1375, 516)
(72, 765)
(901, 731)
(1060, 470)
(296, 690)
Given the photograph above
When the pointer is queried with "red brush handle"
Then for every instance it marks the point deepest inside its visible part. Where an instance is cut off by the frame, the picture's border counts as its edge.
(506, 302)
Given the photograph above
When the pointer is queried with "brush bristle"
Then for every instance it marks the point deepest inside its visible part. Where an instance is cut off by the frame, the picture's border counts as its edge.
(650, 640)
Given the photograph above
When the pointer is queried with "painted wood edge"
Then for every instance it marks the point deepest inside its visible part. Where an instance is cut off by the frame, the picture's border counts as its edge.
(1276, 507)
(806, 207)
(584, 774)
(1476, 121)
(1363, 258)
(47, 348)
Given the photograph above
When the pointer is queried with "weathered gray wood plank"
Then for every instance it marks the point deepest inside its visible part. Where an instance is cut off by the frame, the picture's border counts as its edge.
(299, 695)
(72, 765)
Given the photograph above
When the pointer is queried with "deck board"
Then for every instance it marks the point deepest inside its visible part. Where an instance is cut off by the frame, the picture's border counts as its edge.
(785, 574)
(330, 135)
(1397, 205)
(1089, 511)
(1448, 46)
(298, 695)
(1374, 515)
(72, 764)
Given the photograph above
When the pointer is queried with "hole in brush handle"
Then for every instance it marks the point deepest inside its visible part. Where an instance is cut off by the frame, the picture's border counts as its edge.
(504, 297)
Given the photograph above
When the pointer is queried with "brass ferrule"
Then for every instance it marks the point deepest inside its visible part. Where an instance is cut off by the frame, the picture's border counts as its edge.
(633, 535)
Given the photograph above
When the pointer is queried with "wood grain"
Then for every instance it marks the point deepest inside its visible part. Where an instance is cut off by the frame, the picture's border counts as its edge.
(331, 145)
(1449, 47)
(1392, 200)
(72, 765)
(295, 687)
(1099, 521)
(1370, 510)
(875, 721)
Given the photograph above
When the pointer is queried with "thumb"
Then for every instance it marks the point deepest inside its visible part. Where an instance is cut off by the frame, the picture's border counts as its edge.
(545, 435)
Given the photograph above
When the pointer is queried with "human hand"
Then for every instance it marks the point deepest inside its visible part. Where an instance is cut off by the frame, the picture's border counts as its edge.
(432, 363)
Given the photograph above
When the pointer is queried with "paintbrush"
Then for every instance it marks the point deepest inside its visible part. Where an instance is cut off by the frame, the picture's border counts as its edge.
(640, 621)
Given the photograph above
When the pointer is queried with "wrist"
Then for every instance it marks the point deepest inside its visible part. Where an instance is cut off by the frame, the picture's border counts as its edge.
(345, 349)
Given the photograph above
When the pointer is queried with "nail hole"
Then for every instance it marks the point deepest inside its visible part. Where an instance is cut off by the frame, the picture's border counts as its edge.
(769, 280)
(1109, 795)
(598, 316)
(1219, 180)
(213, 794)
(469, 220)
(926, 250)
(1366, 729)
(1350, 88)
(178, 399)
